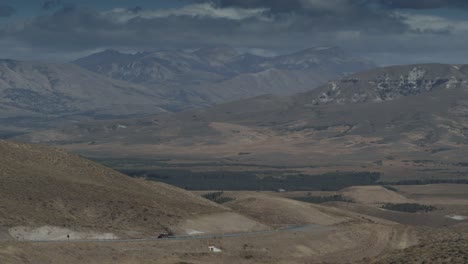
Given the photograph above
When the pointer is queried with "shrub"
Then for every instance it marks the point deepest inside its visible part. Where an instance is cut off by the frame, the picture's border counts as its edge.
(390, 188)
(217, 197)
(409, 207)
(323, 199)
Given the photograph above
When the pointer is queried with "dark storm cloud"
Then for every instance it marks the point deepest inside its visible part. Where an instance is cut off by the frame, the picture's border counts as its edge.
(136, 9)
(316, 7)
(71, 28)
(51, 4)
(274, 5)
(6, 11)
(74, 28)
(361, 26)
(329, 5)
(425, 4)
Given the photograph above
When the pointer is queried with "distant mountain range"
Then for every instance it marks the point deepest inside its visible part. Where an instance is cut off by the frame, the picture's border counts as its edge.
(218, 74)
(36, 89)
(111, 84)
(400, 120)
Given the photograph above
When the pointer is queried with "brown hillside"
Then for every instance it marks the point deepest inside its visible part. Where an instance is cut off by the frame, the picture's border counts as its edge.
(41, 186)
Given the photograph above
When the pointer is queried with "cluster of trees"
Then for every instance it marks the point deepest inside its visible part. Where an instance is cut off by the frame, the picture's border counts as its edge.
(217, 197)
(390, 188)
(323, 199)
(427, 181)
(409, 207)
(256, 180)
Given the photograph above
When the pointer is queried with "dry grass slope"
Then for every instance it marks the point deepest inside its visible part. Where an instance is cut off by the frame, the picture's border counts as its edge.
(43, 186)
(373, 195)
(438, 246)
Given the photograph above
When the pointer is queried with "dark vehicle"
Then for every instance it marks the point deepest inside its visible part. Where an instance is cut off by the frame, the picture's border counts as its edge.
(164, 235)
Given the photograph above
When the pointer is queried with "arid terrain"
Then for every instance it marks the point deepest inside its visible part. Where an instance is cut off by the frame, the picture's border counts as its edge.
(390, 125)
(44, 189)
(89, 213)
(367, 169)
(233, 131)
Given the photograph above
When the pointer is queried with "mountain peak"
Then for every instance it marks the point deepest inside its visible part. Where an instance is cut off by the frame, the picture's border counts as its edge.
(110, 51)
(221, 53)
(327, 52)
(322, 49)
(215, 74)
(320, 58)
(105, 56)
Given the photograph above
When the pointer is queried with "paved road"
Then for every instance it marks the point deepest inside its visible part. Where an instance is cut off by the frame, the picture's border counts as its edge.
(291, 228)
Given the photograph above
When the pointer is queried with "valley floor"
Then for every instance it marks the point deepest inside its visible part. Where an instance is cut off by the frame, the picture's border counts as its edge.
(331, 232)
(281, 247)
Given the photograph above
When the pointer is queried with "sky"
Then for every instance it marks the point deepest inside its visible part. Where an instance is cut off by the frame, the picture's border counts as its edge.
(388, 32)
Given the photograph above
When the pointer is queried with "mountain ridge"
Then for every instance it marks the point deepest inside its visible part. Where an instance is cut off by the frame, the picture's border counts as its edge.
(112, 84)
(214, 75)
(53, 89)
(391, 137)
(43, 187)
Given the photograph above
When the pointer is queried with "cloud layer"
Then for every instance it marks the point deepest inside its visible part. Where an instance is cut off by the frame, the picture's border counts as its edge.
(425, 4)
(374, 28)
(51, 4)
(6, 11)
(335, 5)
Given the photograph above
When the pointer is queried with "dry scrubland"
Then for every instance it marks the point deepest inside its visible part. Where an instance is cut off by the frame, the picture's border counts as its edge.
(41, 186)
(445, 245)
(295, 247)
(44, 188)
(381, 127)
(405, 122)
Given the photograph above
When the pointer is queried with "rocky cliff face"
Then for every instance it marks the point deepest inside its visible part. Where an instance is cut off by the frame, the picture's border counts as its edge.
(44, 89)
(391, 83)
